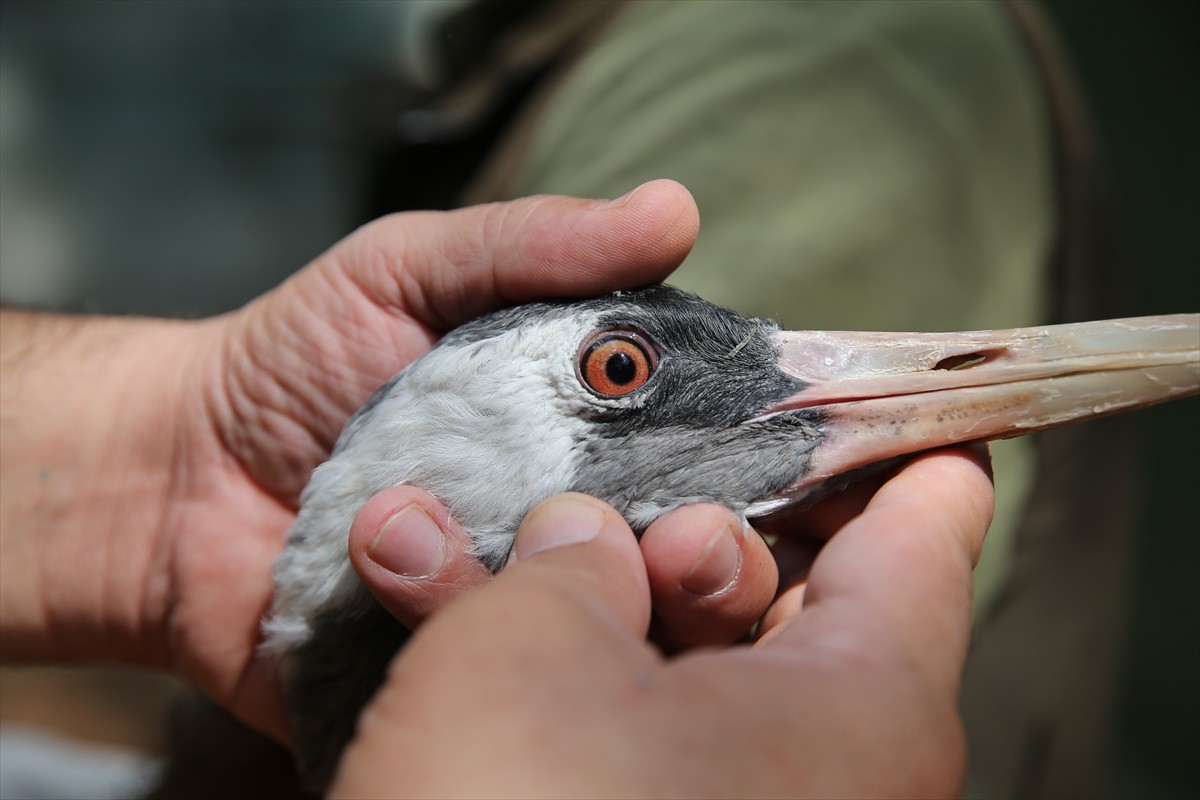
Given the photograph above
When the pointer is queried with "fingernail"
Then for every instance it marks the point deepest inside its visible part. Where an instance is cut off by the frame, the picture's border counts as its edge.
(620, 201)
(717, 566)
(559, 522)
(410, 544)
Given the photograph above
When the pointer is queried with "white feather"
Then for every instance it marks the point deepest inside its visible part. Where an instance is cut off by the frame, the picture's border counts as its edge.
(447, 428)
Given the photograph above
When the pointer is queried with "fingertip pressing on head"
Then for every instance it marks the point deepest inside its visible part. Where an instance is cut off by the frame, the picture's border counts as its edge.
(411, 554)
(560, 522)
(569, 519)
(711, 576)
(654, 225)
(563, 247)
(445, 268)
(582, 545)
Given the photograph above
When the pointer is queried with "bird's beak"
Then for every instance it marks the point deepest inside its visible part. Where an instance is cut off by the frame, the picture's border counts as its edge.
(882, 395)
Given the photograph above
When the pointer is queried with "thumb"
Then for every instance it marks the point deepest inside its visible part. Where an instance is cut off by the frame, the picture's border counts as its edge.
(574, 587)
(581, 549)
(444, 268)
(301, 358)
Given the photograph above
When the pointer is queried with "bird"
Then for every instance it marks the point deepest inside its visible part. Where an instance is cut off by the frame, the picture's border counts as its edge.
(651, 399)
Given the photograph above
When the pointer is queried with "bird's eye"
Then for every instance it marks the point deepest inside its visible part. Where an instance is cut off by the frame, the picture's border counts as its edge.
(616, 363)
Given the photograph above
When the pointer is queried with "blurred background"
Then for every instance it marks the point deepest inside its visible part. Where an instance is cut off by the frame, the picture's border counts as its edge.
(181, 158)
(1137, 64)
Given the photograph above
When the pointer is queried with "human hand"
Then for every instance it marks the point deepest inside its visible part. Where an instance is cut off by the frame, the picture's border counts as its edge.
(152, 468)
(541, 683)
(711, 578)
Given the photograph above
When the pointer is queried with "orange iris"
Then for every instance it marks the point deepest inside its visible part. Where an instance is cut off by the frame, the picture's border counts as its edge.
(616, 363)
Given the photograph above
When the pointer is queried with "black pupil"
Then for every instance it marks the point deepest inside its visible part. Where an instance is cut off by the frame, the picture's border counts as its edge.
(620, 368)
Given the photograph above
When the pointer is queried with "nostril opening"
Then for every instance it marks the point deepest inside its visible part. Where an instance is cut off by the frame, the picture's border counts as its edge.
(963, 361)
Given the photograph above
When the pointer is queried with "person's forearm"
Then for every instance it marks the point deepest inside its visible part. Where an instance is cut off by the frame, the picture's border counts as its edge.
(86, 416)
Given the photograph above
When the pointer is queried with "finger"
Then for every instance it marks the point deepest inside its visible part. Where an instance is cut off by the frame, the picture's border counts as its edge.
(573, 600)
(825, 518)
(794, 556)
(556, 638)
(446, 268)
(581, 548)
(711, 577)
(411, 554)
(896, 581)
(799, 537)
